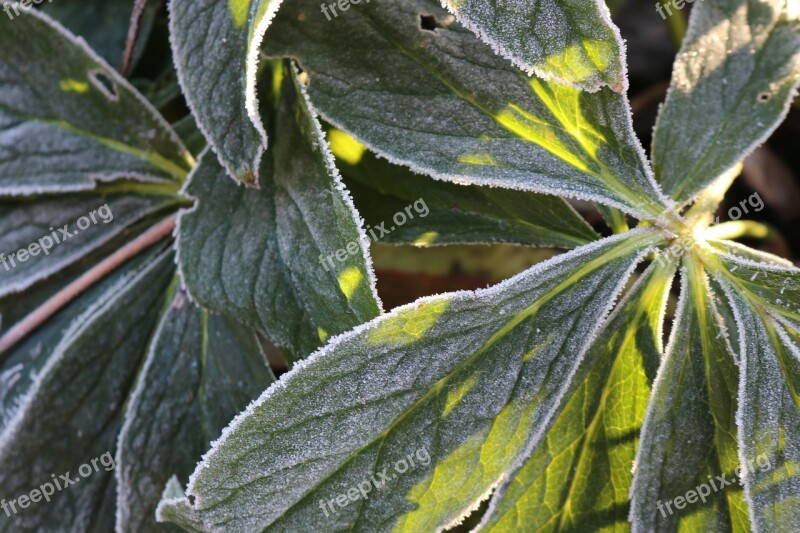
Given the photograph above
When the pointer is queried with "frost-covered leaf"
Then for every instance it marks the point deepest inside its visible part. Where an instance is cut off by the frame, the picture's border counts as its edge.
(776, 286)
(578, 479)
(467, 380)
(216, 48)
(68, 120)
(738, 250)
(40, 236)
(289, 258)
(446, 213)
(769, 411)
(166, 511)
(200, 372)
(732, 85)
(568, 41)
(685, 473)
(442, 103)
(190, 134)
(70, 412)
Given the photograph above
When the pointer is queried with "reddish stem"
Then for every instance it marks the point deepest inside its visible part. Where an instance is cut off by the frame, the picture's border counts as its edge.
(133, 35)
(36, 318)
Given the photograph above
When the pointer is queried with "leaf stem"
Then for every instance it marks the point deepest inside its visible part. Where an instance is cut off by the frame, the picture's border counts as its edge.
(133, 35)
(42, 313)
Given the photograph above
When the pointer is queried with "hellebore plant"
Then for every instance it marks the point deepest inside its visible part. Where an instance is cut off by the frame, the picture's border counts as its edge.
(548, 398)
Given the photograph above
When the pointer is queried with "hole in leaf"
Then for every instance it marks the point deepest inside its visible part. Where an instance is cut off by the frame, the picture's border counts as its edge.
(428, 23)
(104, 84)
(764, 97)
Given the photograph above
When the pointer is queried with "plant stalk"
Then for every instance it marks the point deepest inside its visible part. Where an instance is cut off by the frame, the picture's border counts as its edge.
(56, 302)
(133, 35)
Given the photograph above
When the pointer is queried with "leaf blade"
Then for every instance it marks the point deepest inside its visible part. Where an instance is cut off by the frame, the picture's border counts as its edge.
(576, 45)
(736, 54)
(689, 433)
(431, 90)
(578, 479)
(384, 411)
(77, 109)
(278, 243)
(71, 411)
(51, 224)
(199, 373)
(763, 305)
(225, 38)
(104, 26)
(445, 213)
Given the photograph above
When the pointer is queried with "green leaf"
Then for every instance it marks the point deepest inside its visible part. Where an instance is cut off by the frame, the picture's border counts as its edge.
(685, 472)
(732, 85)
(443, 104)
(62, 229)
(71, 410)
(579, 477)
(72, 120)
(765, 299)
(569, 42)
(166, 510)
(216, 49)
(446, 213)
(776, 287)
(271, 257)
(467, 379)
(769, 411)
(200, 372)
